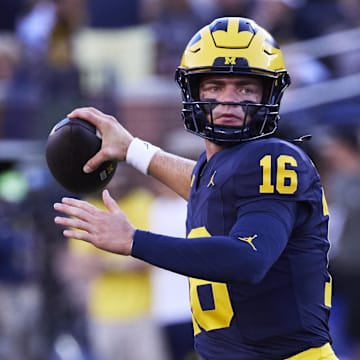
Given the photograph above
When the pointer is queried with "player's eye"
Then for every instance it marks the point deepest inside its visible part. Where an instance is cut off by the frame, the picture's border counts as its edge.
(211, 88)
(247, 90)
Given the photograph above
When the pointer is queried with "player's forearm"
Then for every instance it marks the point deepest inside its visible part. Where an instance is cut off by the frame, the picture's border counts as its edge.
(246, 254)
(173, 171)
(216, 258)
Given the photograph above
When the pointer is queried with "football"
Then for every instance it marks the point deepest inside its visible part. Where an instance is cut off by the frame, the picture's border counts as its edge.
(70, 144)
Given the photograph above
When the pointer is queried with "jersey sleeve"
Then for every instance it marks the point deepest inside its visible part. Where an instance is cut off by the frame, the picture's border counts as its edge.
(245, 255)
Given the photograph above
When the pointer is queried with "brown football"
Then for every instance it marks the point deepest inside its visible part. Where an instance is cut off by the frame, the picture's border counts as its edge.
(70, 144)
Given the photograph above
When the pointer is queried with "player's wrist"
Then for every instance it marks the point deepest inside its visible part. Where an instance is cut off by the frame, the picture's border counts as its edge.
(140, 153)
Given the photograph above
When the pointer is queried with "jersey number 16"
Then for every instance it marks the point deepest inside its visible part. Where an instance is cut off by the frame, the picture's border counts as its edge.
(286, 180)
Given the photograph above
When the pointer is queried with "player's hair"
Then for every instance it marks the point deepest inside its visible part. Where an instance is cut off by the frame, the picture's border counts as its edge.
(232, 46)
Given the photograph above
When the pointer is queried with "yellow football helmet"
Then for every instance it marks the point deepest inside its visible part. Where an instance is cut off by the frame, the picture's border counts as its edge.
(232, 46)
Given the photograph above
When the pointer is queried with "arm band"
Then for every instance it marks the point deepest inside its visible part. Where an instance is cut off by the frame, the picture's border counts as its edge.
(139, 154)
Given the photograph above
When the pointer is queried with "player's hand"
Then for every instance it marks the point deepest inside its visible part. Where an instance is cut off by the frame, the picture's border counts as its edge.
(108, 230)
(115, 138)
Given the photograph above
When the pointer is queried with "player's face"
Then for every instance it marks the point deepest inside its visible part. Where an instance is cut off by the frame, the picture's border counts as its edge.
(230, 89)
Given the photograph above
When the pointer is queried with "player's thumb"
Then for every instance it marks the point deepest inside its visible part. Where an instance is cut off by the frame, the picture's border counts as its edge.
(93, 163)
(109, 201)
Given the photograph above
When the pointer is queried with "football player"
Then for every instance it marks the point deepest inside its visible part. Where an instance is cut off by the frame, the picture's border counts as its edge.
(256, 247)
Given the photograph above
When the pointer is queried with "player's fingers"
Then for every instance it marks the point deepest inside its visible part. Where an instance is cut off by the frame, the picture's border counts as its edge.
(94, 162)
(76, 218)
(94, 116)
(115, 138)
(79, 235)
(110, 202)
(81, 204)
(90, 114)
(72, 223)
(75, 228)
(76, 208)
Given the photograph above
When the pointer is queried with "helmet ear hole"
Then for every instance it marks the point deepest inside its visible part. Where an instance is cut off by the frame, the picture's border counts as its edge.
(268, 90)
(194, 86)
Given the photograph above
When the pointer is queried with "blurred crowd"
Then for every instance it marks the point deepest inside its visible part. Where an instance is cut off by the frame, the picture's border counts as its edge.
(63, 301)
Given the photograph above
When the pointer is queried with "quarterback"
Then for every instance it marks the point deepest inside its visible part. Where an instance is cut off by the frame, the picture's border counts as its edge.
(256, 246)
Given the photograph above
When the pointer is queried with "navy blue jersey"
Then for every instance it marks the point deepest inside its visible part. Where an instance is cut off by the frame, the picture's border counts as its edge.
(256, 253)
(287, 311)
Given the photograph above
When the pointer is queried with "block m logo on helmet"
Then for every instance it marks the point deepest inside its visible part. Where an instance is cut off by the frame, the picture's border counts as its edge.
(230, 60)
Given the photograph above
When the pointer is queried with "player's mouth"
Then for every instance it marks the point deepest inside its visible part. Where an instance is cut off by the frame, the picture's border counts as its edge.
(229, 120)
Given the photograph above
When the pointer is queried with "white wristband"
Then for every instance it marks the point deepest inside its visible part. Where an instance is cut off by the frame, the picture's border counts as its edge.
(140, 153)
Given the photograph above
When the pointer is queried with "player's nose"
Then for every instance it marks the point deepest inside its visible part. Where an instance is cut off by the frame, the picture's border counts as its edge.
(231, 94)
